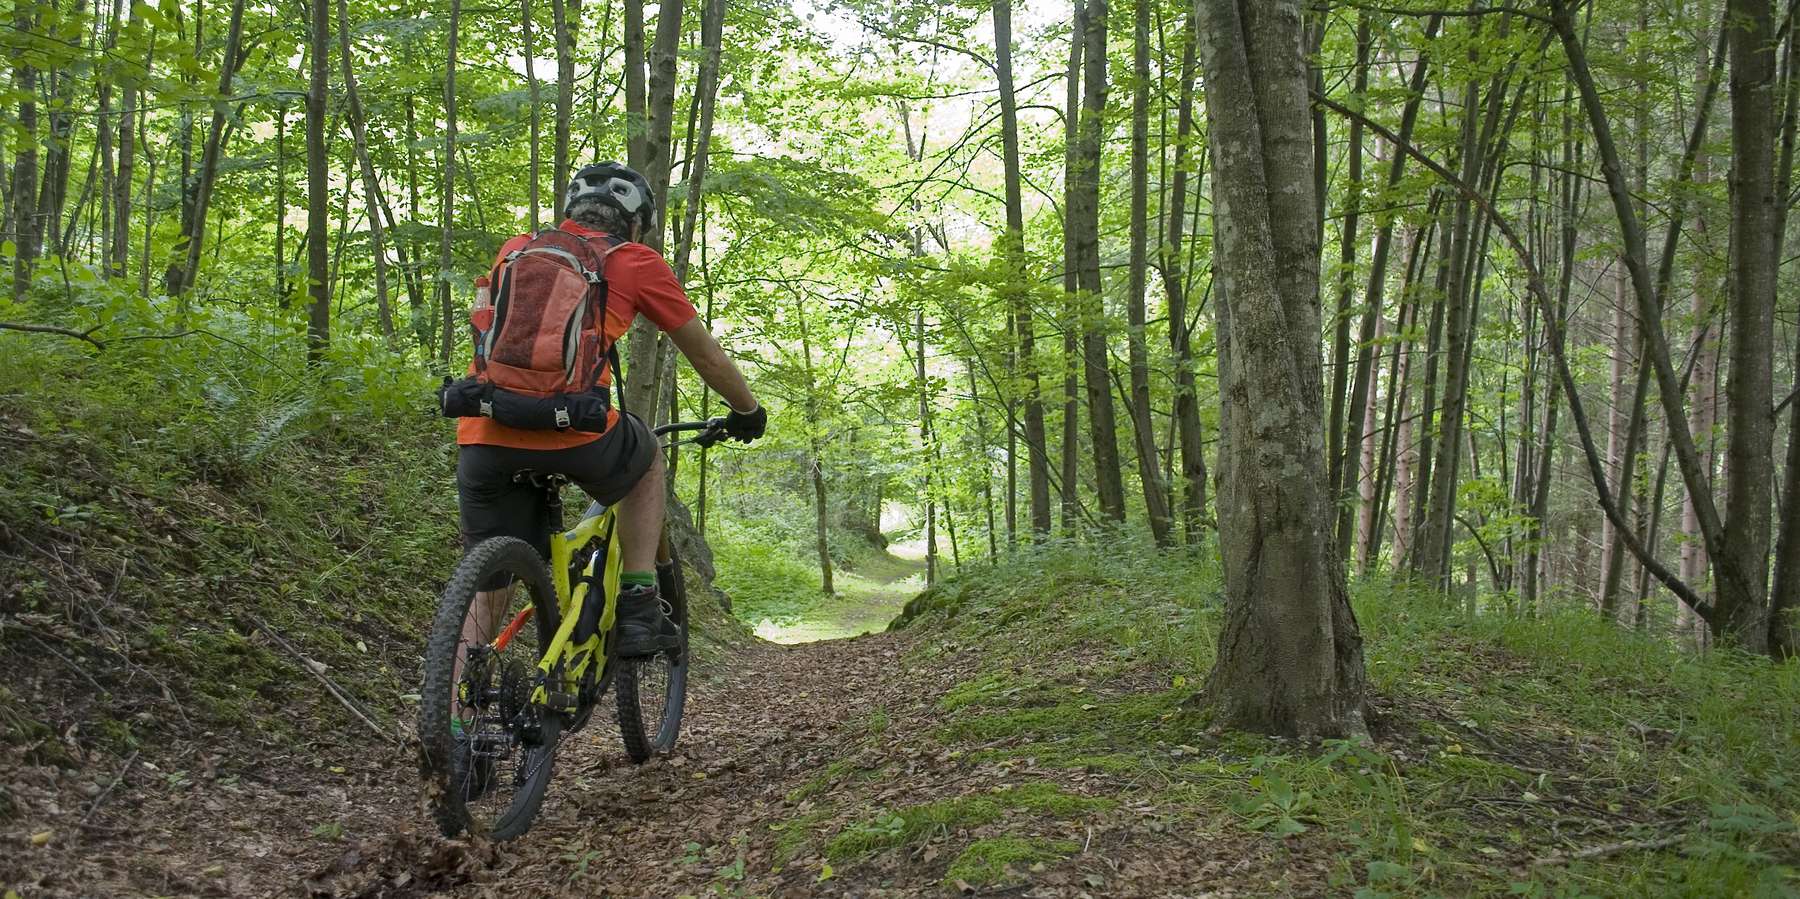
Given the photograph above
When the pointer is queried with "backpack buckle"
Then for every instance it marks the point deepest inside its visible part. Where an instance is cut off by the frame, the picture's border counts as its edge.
(487, 408)
(562, 417)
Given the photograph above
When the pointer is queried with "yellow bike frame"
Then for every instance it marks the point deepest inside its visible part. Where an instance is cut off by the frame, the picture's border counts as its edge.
(591, 653)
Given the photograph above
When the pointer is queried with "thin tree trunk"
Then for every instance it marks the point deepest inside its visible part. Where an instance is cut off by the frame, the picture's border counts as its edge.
(1084, 213)
(447, 199)
(535, 92)
(1175, 289)
(636, 114)
(26, 231)
(371, 185)
(568, 23)
(1038, 464)
(1071, 431)
(181, 276)
(318, 199)
(1155, 501)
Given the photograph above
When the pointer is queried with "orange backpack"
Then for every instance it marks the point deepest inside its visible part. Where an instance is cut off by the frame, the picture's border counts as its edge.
(541, 345)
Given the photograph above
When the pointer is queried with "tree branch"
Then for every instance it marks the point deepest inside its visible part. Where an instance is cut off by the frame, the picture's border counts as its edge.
(87, 335)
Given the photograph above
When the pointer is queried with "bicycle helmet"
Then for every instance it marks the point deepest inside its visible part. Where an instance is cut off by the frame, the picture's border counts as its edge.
(618, 186)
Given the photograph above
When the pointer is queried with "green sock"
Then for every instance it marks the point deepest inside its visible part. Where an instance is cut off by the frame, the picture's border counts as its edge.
(637, 578)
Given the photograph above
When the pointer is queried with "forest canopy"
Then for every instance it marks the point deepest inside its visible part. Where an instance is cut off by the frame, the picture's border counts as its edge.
(978, 257)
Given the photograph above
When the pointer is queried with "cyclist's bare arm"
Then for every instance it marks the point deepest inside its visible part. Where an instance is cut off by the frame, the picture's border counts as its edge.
(713, 366)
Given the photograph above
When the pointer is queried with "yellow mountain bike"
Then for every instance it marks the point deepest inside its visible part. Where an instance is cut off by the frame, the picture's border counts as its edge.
(512, 670)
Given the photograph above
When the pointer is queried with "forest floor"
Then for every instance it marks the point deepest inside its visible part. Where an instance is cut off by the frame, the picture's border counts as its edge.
(795, 773)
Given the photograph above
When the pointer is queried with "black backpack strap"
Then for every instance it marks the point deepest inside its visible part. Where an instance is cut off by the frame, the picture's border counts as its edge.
(612, 349)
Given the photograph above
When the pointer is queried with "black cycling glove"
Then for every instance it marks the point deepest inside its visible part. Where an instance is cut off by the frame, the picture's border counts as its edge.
(746, 426)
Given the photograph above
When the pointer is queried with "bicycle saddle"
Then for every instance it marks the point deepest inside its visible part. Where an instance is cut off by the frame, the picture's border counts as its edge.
(540, 479)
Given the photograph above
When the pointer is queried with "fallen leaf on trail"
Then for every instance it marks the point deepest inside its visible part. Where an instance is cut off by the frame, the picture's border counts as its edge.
(42, 838)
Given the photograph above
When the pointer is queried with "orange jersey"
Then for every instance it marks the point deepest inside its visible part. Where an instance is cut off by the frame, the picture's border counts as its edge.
(638, 280)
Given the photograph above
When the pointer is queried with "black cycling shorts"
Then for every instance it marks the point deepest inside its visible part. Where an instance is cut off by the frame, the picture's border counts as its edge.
(494, 505)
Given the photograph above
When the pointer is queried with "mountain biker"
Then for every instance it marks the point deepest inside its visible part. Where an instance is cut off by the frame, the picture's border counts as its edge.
(611, 203)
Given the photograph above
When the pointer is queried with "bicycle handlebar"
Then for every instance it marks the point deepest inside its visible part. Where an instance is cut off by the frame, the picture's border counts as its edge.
(713, 430)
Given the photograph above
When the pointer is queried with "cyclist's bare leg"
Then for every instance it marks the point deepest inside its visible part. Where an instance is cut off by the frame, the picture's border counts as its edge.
(641, 518)
(479, 629)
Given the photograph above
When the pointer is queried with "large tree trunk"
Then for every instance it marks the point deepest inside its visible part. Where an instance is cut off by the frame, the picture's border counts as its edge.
(1743, 559)
(1084, 215)
(318, 198)
(1155, 497)
(644, 355)
(1013, 250)
(371, 184)
(1175, 289)
(1290, 654)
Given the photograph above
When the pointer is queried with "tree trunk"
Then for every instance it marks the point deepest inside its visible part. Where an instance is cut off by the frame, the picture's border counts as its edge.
(1743, 558)
(1038, 465)
(535, 93)
(1362, 385)
(568, 22)
(318, 199)
(1071, 430)
(1740, 613)
(122, 180)
(26, 230)
(447, 200)
(643, 353)
(1290, 654)
(1085, 216)
(1187, 400)
(1155, 497)
(712, 28)
(636, 117)
(371, 185)
(1341, 433)
(180, 276)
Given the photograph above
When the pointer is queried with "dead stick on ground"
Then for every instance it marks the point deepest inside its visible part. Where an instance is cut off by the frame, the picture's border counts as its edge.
(1609, 849)
(331, 687)
(125, 769)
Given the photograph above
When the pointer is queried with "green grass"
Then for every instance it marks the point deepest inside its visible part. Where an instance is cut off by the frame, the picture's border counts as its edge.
(914, 823)
(1489, 729)
(986, 862)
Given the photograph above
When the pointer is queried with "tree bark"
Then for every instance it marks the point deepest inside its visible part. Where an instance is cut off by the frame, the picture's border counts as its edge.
(447, 200)
(1290, 654)
(1071, 429)
(26, 231)
(1084, 214)
(535, 93)
(384, 309)
(1155, 497)
(1743, 557)
(180, 276)
(568, 21)
(1013, 251)
(318, 199)
(1175, 289)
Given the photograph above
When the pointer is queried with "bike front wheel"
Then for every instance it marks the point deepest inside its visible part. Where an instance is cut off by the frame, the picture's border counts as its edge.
(652, 691)
(487, 749)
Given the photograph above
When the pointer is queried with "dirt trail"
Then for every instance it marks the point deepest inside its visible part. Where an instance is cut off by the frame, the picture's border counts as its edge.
(783, 748)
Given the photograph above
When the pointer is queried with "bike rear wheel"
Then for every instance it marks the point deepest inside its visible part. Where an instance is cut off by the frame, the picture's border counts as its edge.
(651, 692)
(487, 750)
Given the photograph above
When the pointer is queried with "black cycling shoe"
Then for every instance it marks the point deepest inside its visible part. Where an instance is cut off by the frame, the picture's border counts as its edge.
(643, 627)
